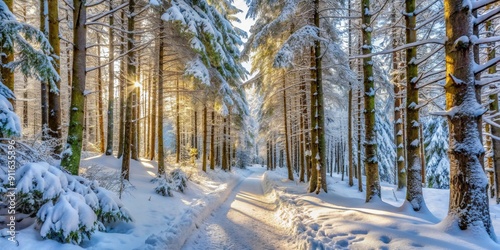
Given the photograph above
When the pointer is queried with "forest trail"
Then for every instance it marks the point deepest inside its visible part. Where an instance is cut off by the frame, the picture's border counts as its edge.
(246, 220)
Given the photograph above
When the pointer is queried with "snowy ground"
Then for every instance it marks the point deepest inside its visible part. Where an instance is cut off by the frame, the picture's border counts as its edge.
(341, 219)
(159, 222)
(247, 220)
(255, 209)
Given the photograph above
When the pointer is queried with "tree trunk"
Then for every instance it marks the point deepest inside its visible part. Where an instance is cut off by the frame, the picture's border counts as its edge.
(371, 161)
(285, 122)
(212, 142)
(493, 165)
(152, 124)
(224, 146)
(161, 77)
(350, 138)
(178, 127)
(44, 95)
(360, 148)
(398, 106)
(468, 185)
(414, 176)
(123, 86)
(204, 145)
(131, 79)
(111, 85)
(55, 113)
(100, 104)
(196, 132)
(73, 150)
(302, 139)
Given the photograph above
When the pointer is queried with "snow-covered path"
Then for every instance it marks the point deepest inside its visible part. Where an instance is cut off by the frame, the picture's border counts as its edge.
(245, 221)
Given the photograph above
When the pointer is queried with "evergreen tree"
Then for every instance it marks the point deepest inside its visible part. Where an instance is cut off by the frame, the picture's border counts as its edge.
(437, 171)
(33, 61)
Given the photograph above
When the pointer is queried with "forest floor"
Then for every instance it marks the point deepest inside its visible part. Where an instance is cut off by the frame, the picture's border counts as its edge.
(341, 219)
(247, 220)
(158, 222)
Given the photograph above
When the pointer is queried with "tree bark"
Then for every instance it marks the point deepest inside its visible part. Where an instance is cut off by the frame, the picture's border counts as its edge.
(212, 142)
(178, 127)
(414, 176)
(44, 95)
(123, 86)
(55, 113)
(100, 104)
(204, 145)
(468, 185)
(111, 85)
(224, 146)
(285, 121)
(161, 78)
(73, 150)
(131, 79)
(371, 161)
(360, 148)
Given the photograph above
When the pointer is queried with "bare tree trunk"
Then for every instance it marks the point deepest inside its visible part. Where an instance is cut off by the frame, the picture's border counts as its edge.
(371, 161)
(285, 121)
(55, 113)
(224, 146)
(414, 176)
(204, 145)
(196, 132)
(212, 142)
(468, 185)
(360, 148)
(100, 104)
(44, 95)
(123, 86)
(161, 77)
(131, 79)
(72, 153)
(111, 85)
(302, 142)
(398, 106)
(178, 126)
(493, 158)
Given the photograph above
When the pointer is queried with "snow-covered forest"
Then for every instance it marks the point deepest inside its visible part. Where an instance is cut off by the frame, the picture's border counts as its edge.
(249, 124)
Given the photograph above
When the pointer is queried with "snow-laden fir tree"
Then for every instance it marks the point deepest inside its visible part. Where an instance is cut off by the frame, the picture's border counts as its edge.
(33, 59)
(386, 152)
(437, 170)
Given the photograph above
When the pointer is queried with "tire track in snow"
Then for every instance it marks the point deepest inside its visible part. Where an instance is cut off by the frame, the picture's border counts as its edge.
(246, 220)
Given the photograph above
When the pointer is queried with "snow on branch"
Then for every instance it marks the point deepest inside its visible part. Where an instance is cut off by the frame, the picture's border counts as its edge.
(492, 39)
(416, 12)
(403, 47)
(481, 3)
(482, 18)
(198, 70)
(303, 37)
(486, 81)
(289, 8)
(104, 14)
(480, 68)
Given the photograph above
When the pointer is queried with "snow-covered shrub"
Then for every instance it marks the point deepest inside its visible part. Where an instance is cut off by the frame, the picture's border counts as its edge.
(175, 180)
(111, 208)
(243, 158)
(164, 187)
(437, 169)
(68, 207)
(179, 179)
(67, 219)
